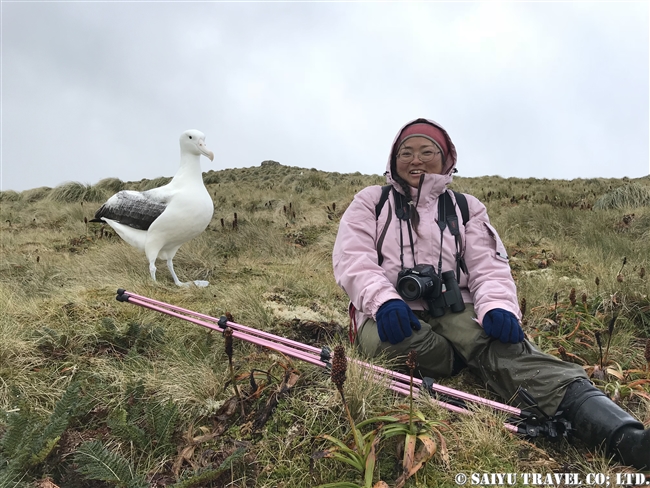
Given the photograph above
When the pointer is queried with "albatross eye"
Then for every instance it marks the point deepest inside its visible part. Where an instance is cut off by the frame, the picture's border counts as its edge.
(190, 137)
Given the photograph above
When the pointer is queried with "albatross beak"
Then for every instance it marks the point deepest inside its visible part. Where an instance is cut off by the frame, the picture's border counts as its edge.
(205, 151)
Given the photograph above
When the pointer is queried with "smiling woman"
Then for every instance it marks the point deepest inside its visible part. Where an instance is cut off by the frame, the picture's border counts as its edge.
(417, 156)
(445, 290)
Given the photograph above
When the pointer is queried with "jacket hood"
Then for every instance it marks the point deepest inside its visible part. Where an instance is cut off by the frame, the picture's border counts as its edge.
(450, 160)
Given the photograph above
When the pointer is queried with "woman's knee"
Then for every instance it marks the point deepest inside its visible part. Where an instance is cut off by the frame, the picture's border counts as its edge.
(435, 355)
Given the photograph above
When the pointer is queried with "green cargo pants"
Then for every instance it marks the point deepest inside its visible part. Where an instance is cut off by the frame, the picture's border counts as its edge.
(503, 367)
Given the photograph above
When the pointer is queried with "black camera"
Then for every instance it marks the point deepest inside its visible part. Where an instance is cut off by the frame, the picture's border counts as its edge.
(423, 282)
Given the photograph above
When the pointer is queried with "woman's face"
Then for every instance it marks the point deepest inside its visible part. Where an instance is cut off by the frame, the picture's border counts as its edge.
(416, 156)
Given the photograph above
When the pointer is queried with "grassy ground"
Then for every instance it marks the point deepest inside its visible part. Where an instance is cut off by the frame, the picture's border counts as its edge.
(98, 393)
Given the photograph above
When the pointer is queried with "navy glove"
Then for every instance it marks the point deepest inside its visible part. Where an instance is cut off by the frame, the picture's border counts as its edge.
(503, 325)
(395, 320)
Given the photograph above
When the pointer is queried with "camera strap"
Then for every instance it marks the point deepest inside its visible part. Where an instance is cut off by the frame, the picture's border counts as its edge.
(447, 217)
(403, 213)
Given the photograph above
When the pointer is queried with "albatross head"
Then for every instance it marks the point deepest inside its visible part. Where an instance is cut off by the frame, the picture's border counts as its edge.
(193, 141)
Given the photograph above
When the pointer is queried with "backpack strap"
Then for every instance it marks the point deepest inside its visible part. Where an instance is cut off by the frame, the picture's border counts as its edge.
(401, 211)
(447, 217)
(461, 201)
(385, 190)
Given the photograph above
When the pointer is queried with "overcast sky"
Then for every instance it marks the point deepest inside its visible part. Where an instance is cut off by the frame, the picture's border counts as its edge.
(92, 90)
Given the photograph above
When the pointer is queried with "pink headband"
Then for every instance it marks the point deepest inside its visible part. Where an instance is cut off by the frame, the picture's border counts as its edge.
(424, 130)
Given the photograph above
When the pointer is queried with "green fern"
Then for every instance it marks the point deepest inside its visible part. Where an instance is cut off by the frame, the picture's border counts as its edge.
(162, 419)
(18, 445)
(98, 463)
(148, 427)
(121, 426)
(18, 424)
(63, 410)
(49, 340)
(40, 456)
(14, 480)
(28, 441)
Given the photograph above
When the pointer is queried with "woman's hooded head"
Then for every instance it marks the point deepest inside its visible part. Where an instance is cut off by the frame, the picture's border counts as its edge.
(430, 130)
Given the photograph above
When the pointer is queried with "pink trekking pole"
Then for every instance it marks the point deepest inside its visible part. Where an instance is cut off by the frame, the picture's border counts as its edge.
(531, 423)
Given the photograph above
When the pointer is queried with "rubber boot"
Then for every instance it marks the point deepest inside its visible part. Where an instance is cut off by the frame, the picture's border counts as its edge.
(632, 446)
(599, 422)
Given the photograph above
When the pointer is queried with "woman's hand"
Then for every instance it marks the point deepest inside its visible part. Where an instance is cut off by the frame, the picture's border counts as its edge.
(503, 325)
(395, 319)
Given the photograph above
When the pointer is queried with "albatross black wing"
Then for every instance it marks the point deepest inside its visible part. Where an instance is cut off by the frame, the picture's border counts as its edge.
(132, 208)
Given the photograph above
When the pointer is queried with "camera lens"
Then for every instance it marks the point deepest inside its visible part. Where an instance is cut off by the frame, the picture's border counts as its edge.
(412, 287)
(409, 288)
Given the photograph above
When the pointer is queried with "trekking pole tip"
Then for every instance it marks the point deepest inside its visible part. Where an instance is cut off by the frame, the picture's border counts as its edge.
(122, 296)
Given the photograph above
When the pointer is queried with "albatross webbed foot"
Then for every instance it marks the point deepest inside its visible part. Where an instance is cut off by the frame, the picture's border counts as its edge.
(199, 283)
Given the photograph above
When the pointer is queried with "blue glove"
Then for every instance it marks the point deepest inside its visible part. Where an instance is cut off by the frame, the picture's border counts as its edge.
(503, 325)
(395, 320)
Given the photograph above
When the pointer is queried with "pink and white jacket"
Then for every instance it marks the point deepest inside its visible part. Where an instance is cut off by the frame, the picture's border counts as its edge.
(488, 283)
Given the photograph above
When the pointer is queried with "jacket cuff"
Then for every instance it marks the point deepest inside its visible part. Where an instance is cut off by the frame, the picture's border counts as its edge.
(486, 307)
(380, 299)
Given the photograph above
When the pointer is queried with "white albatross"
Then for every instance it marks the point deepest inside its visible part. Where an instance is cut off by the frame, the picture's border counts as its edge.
(160, 220)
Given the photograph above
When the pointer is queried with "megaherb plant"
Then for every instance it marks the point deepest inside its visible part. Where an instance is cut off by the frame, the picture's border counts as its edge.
(404, 422)
(362, 454)
(267, 253)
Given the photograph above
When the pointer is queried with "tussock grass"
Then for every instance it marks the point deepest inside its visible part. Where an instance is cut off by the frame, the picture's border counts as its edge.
(145, 185)
(77, 192)
(35, 194)
(60, 322)
(111, 185)
(632, 195)
(9, 196)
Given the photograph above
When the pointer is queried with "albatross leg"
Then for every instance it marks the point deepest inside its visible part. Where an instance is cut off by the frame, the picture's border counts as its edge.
(178, 282)
(199, 283)
(152, 254)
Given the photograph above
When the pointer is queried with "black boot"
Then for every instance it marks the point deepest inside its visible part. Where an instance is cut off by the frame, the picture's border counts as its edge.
(632, 446)
(599, 422)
